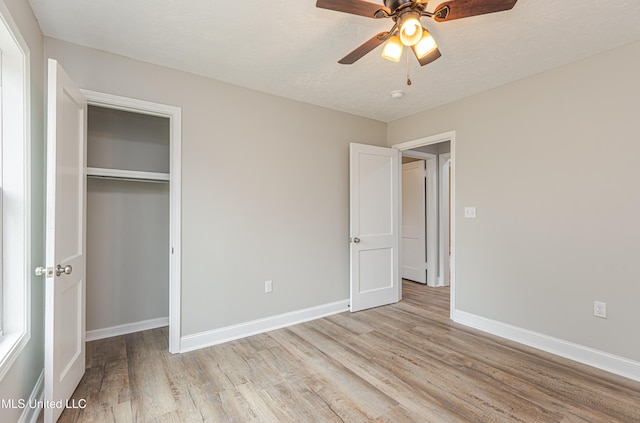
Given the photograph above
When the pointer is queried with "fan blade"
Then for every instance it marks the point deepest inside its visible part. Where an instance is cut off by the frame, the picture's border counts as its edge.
(355, 7)
(464, 8)
(365, 48)
(429, 57)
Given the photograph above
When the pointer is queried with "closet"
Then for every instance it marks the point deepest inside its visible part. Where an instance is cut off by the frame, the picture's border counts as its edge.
(128, 221)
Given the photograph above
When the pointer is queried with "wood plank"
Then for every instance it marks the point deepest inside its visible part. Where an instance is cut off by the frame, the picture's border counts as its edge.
(151, 393)
(293, 400)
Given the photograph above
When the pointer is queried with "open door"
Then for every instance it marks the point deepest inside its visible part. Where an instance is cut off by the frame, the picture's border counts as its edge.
(65, 241)
(374, 189)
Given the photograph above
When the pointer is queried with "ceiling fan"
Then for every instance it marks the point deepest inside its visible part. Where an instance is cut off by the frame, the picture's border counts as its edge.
(407, 29)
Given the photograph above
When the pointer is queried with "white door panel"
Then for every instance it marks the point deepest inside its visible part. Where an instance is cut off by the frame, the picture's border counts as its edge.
(374, 180)
(65, 240)
(376, 269)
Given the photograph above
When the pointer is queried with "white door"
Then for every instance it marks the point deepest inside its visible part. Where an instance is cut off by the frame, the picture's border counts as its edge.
(65, 240)
(414, 245)
(374, 180)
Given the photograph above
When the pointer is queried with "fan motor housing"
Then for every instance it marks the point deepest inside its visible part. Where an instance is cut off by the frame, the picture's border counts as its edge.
(393, 5)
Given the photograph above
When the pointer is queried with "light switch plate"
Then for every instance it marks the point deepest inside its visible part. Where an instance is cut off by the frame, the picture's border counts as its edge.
(470, 212)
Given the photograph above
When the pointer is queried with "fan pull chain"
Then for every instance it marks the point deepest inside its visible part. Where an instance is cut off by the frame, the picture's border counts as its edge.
(408, 70)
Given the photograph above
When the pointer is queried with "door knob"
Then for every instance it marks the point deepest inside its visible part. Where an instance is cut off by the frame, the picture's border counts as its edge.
(356, 240)
(66, 270)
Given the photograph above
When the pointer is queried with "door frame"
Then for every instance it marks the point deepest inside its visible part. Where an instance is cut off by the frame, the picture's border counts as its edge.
(420, 142)
(174, 114)
(444, 164)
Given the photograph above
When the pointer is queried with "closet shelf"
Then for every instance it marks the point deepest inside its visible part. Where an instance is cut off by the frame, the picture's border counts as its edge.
(127, 175)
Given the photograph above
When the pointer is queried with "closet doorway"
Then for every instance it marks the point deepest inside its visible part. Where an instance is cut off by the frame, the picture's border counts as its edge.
(133, 217)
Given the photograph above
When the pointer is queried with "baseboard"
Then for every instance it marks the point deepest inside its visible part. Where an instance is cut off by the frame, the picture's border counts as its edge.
(592, 357)
(30, 414)
(93, 335)
(254, 327)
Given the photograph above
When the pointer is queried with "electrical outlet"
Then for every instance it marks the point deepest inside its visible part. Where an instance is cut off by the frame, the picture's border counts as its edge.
(268, 286)
(600, 309)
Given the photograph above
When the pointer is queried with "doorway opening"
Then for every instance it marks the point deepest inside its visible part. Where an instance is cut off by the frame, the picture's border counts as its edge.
(133, 170)
(427, 198)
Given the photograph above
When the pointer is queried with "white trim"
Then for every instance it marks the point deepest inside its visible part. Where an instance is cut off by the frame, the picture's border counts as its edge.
(444, 265)
(431, 220)
(31, 414)
(175, 193)
(230, 333)
(128, 104)
(175, 236)
(17, 333)
(160, 322)
(589, 356)
(420, 142)
(434, 139)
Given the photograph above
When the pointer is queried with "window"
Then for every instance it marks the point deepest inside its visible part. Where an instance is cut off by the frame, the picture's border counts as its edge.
(15, 275)
(1, 198)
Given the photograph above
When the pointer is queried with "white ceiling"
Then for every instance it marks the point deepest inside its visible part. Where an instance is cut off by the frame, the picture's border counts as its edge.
(291, 48)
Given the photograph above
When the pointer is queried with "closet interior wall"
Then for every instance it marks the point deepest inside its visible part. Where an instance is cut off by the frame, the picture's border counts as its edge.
(127, 218)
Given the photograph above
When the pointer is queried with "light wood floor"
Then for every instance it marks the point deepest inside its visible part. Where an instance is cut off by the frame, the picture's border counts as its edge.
(404, 362)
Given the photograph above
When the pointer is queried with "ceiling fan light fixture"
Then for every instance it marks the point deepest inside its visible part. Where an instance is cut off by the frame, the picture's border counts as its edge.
(392, 49)
(410, 28)
(425, 46)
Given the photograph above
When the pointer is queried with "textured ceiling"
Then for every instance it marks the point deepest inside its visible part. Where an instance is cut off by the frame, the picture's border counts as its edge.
(291, 48)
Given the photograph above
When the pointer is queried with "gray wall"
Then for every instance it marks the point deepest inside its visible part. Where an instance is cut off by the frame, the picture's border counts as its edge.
(127, 252)
(551, 163)
(21, 378)
(118, 139)
(265, 188)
